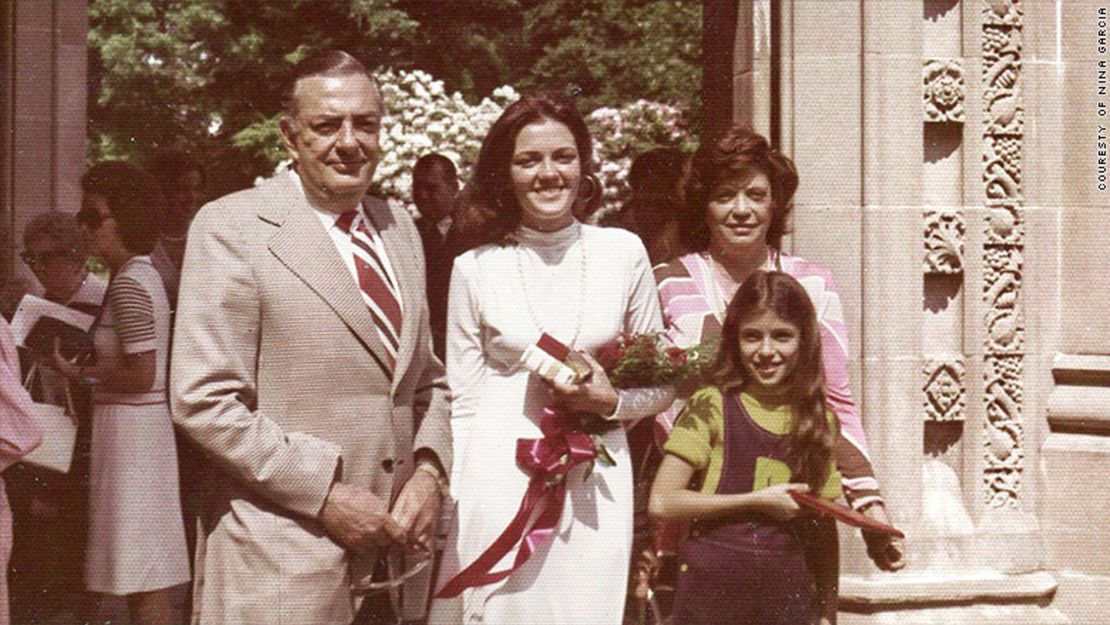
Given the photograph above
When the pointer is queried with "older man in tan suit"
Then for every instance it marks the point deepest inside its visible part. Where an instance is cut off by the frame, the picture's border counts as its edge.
(303, 368)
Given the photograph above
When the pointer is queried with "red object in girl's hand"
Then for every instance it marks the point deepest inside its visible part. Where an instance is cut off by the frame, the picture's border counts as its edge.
(844, 514)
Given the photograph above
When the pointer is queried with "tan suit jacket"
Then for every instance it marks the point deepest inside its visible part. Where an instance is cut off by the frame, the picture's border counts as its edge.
(279, 376)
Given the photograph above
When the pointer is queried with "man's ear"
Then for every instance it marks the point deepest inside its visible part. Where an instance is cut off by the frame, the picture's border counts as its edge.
(288, 134)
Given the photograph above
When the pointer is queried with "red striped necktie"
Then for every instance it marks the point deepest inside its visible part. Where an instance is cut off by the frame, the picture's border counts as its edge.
(378, 290)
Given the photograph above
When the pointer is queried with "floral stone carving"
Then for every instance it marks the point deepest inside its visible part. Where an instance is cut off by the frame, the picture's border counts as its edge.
(944, 90)
(944, 241)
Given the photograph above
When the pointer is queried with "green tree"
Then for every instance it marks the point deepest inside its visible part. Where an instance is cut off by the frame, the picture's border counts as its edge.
(207, 74)
(617, 51)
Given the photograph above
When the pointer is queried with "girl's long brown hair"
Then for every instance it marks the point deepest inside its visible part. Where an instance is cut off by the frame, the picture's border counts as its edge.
(809, 443)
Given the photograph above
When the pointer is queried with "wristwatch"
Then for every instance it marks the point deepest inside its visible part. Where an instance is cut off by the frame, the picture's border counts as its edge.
(430, 468)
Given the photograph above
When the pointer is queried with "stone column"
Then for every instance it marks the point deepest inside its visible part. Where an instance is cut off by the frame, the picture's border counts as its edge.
(891, 129)
(948, 525)
(719, 59)
(44, 149)
(900, 133)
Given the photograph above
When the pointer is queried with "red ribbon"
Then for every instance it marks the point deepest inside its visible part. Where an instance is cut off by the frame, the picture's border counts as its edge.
(547, 460)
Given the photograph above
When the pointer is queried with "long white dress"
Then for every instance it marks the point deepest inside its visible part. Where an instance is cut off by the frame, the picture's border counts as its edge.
(583, 285)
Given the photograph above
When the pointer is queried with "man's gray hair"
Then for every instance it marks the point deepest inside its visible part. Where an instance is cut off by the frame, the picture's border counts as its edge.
(326, 63)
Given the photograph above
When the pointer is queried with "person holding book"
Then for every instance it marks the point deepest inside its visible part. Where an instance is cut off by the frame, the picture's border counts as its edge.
(536, 270)
(136, 538)
(738, 200)
(50, 507)
(760, 431)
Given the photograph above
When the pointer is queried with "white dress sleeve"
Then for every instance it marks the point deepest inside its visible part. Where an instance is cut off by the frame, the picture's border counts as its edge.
(465, 356)
(643, 316)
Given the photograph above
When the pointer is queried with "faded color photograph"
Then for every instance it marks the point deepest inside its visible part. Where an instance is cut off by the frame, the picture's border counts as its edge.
(559, 312)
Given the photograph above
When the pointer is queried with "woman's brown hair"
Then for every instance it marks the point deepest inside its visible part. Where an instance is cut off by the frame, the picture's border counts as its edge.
(810, 440)
(489, 211)
(735, 153)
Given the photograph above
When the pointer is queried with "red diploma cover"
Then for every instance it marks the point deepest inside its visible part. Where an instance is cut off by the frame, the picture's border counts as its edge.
(844, 514)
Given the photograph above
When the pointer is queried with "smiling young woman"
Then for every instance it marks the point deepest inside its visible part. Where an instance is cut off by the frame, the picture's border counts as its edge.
(535, 269)
(545, 173)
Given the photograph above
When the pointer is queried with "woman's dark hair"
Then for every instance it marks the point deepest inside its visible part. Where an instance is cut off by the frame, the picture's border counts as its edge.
(489, 208)
(733, 154)
(134, 201)
(810, 441)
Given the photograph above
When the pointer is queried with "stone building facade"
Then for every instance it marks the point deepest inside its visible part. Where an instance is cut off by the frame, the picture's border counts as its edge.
(953, 177)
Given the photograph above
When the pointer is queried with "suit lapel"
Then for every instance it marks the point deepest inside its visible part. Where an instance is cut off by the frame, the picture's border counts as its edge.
(398, 249)
(302, 245)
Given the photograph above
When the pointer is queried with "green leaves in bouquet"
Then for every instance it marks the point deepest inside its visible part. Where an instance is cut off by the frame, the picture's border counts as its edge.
(639, 360)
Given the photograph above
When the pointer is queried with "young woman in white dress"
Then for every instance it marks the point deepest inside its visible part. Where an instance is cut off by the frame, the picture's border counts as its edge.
(533, 268)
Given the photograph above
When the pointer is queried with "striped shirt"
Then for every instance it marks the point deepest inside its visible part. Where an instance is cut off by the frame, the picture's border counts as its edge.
(132, 315)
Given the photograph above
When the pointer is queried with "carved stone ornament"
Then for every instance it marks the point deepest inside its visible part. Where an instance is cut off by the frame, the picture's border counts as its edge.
(1003, 112)
(1001, 291)
(1004, 434)
(1002, 12)
(1002, 168)
(1004, 224)
(944, 90)
(944, 241)
(945, 395)
(1004, 328)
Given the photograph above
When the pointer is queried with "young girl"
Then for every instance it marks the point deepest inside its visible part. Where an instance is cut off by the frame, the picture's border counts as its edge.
(753, 555)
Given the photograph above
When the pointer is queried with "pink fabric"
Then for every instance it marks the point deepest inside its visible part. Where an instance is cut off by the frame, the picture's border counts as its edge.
(834, 351)
(18, 436)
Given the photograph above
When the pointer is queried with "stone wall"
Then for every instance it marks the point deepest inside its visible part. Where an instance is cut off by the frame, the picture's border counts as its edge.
(949, 164)
(42, 151)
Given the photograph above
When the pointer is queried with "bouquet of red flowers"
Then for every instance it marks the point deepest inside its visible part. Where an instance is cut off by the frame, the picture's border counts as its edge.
(637, 360)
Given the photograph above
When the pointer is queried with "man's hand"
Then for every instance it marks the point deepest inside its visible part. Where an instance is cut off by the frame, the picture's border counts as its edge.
(359, 520)
(417, 508)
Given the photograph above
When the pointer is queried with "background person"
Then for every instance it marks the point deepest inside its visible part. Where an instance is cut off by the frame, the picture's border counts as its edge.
(49, 509)
(536, 270)
(738, 198)
(19, 435)
(136, 540)
(435, 185)
(656, 178)
(181, 180)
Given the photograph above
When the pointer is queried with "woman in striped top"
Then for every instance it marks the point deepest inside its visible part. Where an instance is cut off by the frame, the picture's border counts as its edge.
(136, 538)
(738, 197)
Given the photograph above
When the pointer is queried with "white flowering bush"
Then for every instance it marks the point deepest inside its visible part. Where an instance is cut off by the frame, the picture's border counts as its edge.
(622, 134)
(421, 117)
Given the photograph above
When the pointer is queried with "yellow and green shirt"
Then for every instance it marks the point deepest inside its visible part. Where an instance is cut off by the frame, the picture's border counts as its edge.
(698, 439)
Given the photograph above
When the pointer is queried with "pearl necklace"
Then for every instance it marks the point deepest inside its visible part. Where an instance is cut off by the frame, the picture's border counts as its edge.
(581, 291)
